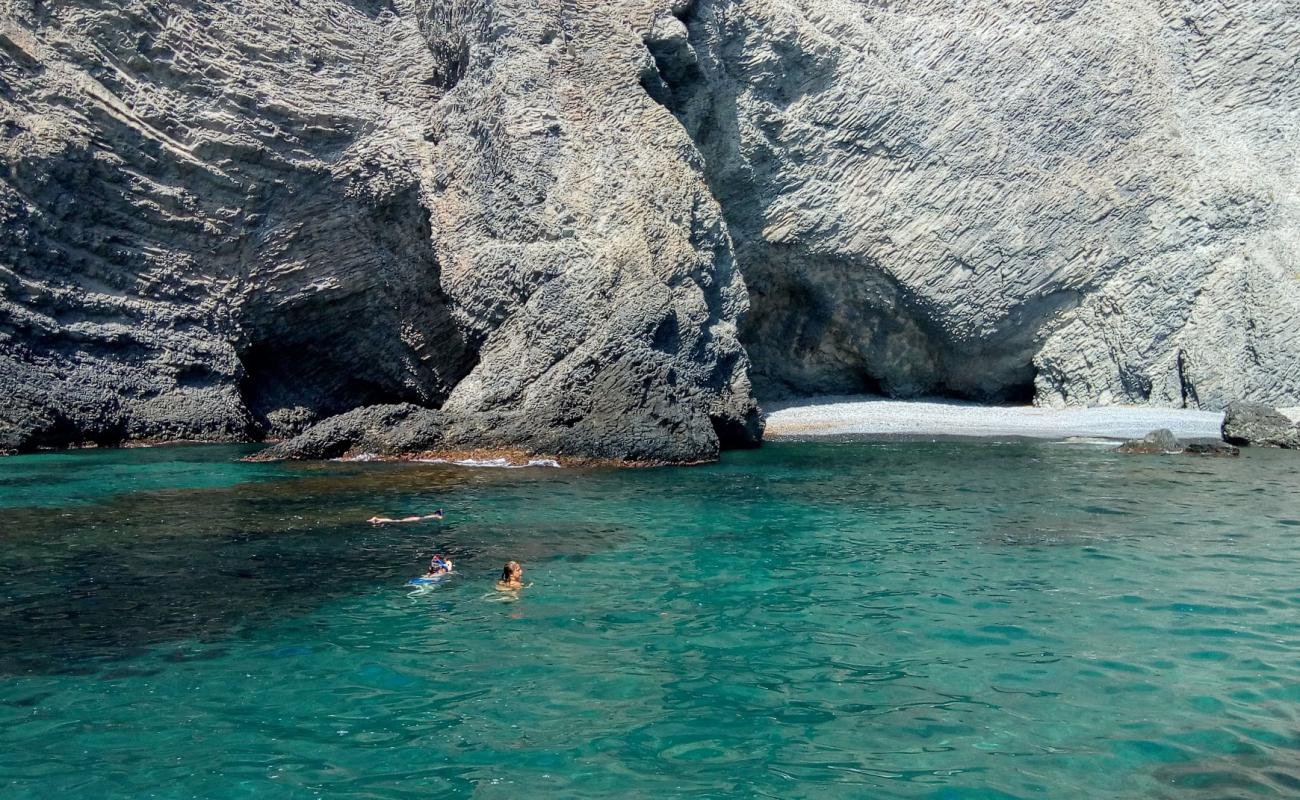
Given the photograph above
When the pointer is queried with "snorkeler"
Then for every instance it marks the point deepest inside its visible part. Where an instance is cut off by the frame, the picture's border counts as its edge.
(382, 520)
(512, 577)
(439, 566)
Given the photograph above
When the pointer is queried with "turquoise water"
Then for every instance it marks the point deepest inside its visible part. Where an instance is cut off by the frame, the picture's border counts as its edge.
(840, 620)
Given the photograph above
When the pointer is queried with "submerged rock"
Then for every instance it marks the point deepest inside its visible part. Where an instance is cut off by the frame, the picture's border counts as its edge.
(1154, 443)
(1259, 425)
(1163, 442)
(1210, 447)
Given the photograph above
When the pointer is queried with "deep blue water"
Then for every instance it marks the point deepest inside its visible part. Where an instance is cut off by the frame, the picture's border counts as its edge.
(859, 620)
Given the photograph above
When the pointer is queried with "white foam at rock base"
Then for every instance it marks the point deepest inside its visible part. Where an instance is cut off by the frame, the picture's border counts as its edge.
(492, 463)
(358, 457)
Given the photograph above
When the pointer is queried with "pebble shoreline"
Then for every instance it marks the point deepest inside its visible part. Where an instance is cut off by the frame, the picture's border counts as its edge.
(862, 415)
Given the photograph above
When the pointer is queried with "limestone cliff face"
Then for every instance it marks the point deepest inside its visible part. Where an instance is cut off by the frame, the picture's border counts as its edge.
(227, 220)
(571, 227)
(1078, 201)
(214, 219)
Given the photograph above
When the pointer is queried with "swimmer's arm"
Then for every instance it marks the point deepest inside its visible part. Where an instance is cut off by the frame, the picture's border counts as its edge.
(416, 518)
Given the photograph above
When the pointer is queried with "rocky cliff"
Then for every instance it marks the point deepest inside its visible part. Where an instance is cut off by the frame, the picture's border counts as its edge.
(580, 228)
(1076, 201)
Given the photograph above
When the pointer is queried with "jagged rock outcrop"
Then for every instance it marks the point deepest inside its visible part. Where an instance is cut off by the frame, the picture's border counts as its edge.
(384, 430)
(547, 221)
(1259, 425)
(1156, 442)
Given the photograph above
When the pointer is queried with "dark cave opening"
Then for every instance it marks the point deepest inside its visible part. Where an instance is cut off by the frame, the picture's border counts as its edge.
(288, 384)
(61, 431)
(1020, 394)
(835, 325)
(735, 433)
(369, 324)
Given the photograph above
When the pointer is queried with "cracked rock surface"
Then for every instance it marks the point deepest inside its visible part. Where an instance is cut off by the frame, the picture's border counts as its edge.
(229, 220)
(1259, 425)
(571, 228)
(1076, 201)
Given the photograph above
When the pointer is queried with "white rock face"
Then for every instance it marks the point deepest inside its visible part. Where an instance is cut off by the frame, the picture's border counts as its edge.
(1085, 201)
(571, 227)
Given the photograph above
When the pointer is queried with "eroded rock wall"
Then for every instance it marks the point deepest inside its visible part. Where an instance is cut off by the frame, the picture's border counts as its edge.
(1085, 201)
(582, 249)
(570, 227)
(228, 220)
(213, 219)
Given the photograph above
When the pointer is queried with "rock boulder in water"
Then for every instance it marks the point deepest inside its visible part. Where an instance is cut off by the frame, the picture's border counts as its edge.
(1259, 425)
(387, 430)
(1163, 442)
(1210, 447)
(1154, 443)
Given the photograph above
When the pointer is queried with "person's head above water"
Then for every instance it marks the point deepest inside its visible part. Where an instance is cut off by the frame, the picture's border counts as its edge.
(511, 574)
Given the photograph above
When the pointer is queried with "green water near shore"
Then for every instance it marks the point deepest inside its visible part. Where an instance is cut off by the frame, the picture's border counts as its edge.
(861, 619)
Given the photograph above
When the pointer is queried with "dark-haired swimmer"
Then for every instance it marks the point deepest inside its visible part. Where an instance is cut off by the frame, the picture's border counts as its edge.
(512, 577)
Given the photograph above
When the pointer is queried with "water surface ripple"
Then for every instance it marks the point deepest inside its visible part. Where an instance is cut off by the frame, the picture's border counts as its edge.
(935, 620)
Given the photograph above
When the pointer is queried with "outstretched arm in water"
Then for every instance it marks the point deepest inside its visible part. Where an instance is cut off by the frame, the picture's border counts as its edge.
(383, 520)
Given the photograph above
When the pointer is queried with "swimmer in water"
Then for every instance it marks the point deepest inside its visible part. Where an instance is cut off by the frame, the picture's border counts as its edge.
(438, 566)
(383, 520)
(512, 577)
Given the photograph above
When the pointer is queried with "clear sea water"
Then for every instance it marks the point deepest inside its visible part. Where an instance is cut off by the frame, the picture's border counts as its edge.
(937, 620)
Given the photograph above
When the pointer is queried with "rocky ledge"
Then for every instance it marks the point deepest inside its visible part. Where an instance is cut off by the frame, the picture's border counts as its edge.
(406, 431)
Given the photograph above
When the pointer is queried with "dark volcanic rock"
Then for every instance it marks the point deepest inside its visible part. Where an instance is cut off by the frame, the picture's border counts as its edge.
(667, 432)
(1259, 425)
(471, 206)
